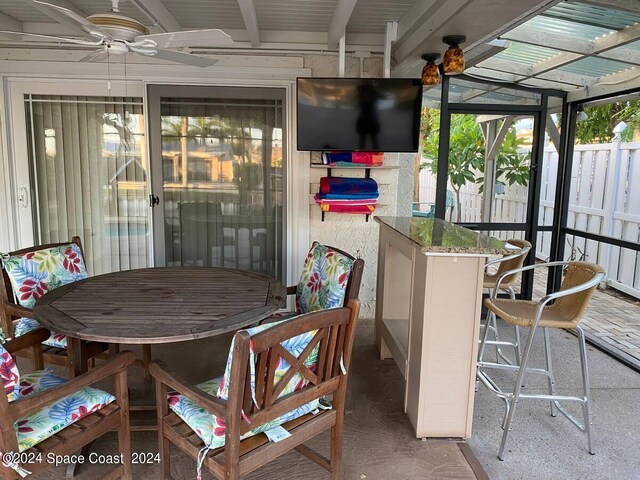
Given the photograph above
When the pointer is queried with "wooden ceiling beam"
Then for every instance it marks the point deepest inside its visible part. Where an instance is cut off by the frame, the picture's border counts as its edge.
(339, 21)
(410, 44)
(248, 10)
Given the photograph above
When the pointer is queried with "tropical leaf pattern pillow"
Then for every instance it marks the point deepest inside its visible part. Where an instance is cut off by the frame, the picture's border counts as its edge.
(33, 429)
(40, 425)
(24, 325)
(38, 381)
(9, 375)
(35, 273)
(324, 278)
(210, 428)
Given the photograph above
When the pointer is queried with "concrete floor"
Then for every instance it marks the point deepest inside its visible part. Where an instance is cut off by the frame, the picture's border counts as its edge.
(543, 447)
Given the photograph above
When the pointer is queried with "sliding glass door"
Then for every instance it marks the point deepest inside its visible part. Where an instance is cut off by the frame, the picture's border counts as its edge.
(218, 162)
(88, 177)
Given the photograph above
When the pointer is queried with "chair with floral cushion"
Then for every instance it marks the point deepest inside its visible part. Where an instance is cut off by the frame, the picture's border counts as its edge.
(27, 275)
(330, 278)
(42, 415)
(276, 382)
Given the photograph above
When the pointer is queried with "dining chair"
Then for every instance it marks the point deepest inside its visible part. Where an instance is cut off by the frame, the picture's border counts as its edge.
(28, 274)
(505, 263)
(43, 416)
(272, 398)
(330, 278)
(562, 309)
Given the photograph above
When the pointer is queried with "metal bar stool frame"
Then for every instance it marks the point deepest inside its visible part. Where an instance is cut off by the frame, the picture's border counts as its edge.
(491, 322)
(511, 398)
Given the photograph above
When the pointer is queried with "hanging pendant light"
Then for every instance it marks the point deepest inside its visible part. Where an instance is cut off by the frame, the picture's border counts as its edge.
(430, 73)
(453, 62)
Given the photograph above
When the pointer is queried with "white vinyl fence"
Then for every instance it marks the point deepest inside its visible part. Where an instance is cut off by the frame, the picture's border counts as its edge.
(604, 200)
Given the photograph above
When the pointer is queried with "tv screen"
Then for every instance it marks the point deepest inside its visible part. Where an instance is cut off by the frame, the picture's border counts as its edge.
(359, 114)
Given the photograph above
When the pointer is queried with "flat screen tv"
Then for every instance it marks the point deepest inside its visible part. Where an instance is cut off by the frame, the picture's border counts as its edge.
(359, 114)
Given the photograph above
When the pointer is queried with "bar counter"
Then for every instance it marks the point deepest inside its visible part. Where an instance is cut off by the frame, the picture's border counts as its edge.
(428, 303)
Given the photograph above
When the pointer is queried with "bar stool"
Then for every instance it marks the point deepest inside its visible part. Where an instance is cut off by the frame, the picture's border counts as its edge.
(505, 264)
(566, 311)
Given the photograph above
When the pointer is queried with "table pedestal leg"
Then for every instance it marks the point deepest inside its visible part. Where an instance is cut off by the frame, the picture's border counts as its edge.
(78, 355)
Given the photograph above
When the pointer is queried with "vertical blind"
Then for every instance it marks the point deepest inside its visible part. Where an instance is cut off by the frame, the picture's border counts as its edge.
(222, 164)
(89, 177)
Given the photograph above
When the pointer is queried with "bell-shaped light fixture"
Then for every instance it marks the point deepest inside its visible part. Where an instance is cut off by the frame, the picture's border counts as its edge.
(453, 62)
(581, 116)
(430, 73)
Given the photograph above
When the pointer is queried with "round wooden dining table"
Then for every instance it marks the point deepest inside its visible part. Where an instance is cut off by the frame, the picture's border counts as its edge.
(157, 305)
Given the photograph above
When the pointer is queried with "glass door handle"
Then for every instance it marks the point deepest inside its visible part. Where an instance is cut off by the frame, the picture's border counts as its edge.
(153, 200)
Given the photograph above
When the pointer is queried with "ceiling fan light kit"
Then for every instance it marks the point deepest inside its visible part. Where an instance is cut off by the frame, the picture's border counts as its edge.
(118, 34)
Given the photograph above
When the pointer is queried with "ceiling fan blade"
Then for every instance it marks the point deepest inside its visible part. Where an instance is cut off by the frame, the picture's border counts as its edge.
(190, 38)
(96, 56)
(34, 37)
(85, 24)
(179, 57)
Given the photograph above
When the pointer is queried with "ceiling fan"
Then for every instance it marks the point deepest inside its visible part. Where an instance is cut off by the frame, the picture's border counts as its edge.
(116, 34)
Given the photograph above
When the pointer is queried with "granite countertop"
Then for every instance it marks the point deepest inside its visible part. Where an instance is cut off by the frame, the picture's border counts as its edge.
(434, 235)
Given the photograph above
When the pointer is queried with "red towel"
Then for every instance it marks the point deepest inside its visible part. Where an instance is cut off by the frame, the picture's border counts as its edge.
(368, 209)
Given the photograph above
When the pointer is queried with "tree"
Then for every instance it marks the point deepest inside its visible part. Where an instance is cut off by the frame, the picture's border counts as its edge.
(467, 153)
(512, 168)
(602, 119)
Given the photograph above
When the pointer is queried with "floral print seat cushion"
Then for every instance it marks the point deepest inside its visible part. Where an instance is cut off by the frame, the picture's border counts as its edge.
(210, 428)
(9, 375)
(33, 429)
(38, 381)
(324, 278)
(35, 273)
(24, 325)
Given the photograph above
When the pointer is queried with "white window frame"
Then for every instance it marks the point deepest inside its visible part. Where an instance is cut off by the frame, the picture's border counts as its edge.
(18, 146)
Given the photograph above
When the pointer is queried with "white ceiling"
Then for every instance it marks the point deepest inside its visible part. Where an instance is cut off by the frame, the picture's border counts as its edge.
(318, 24)
(269, 26)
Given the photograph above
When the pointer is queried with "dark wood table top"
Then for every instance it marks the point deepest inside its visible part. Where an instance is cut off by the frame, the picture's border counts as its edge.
(160, 305)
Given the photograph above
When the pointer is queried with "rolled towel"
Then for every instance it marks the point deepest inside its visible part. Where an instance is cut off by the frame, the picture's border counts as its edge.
(347, 185)
(354, 158)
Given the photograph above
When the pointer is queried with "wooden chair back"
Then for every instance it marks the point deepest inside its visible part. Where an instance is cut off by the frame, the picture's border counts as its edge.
(334, 333)
(334, 329)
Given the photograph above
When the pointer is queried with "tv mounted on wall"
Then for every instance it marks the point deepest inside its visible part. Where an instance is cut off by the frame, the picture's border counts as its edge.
(359, 114)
